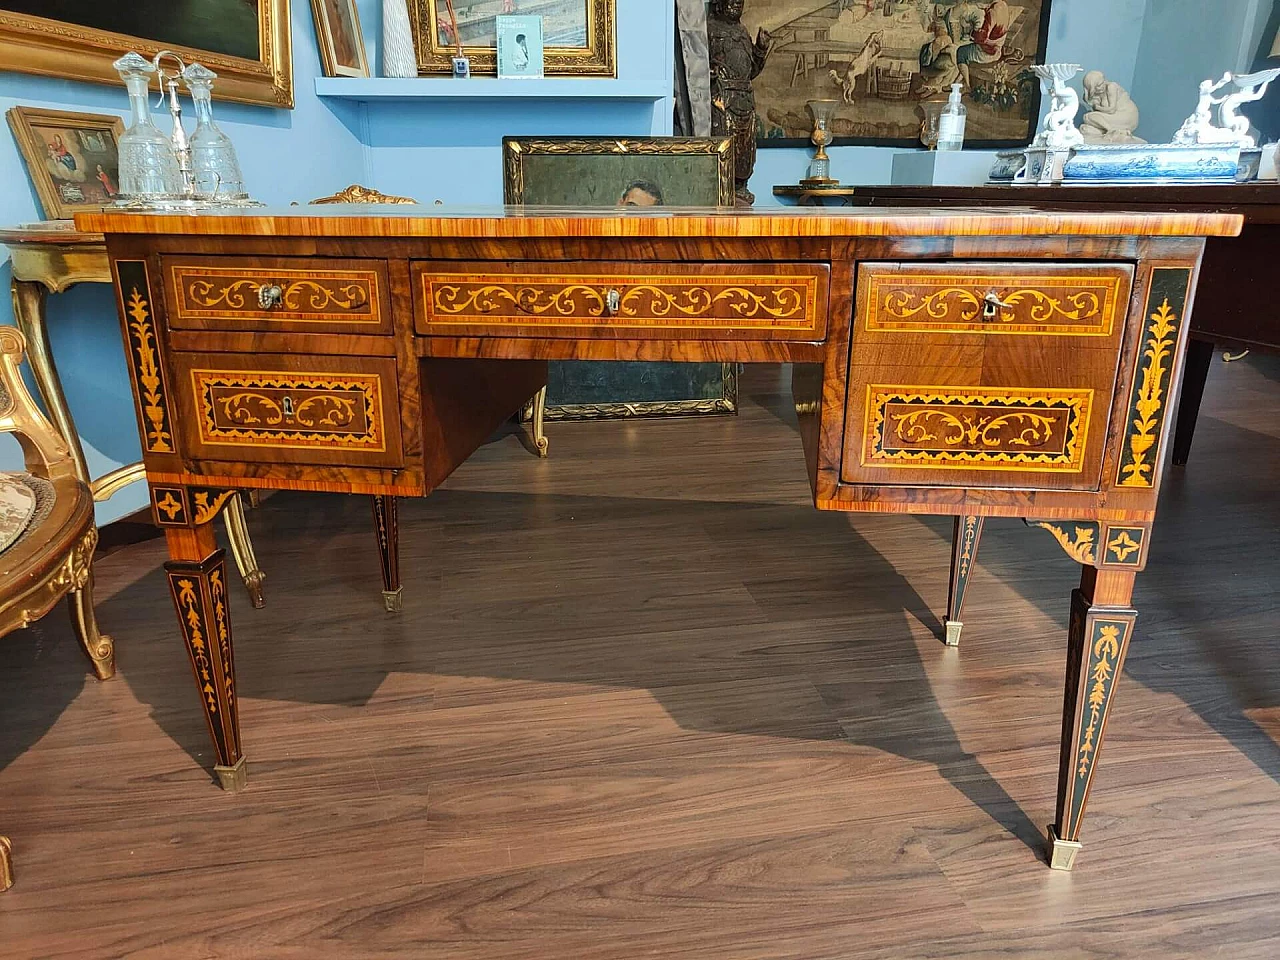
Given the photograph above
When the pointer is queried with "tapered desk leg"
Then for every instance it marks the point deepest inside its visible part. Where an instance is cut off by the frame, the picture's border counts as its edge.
(242, 550)
(1098, 639)
(197, 573)
(387, 527)
(964, 554)
(1195, 373)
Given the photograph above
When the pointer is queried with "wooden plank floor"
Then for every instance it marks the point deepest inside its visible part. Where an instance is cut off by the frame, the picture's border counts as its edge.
(643, 700)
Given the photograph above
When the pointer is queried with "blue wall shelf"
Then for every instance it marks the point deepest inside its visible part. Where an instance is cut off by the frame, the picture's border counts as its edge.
(388, 90)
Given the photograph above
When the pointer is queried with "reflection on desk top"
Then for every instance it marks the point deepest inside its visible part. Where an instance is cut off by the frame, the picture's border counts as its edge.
(368, 220)
(61, 233)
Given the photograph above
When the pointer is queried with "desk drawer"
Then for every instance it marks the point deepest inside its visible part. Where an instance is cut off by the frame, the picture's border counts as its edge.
(948, 386)
(702, 301)
(1011, 298)
(289, 408)
(306, 295)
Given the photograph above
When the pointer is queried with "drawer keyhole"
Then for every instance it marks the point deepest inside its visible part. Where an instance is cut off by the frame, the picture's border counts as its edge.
(288, 406)
(270, 295)
(613, 301)
(992, 305)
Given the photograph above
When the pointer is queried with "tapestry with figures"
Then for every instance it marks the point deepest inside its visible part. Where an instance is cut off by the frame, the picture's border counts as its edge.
(883, 59)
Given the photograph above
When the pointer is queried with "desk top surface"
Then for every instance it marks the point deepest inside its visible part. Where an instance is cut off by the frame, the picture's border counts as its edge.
(370, 220)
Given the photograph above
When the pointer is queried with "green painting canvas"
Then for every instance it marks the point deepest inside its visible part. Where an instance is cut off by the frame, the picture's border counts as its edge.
(608, 172)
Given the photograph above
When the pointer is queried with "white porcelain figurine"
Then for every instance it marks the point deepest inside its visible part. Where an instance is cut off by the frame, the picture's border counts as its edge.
(1059, 131)
(1112, 116)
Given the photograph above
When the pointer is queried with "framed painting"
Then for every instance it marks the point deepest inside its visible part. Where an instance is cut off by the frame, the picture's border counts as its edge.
(73, 158)
(340, 39)
(614, 172)
(1265, 113)
(246, 42)
(883, 58)
(577, 35)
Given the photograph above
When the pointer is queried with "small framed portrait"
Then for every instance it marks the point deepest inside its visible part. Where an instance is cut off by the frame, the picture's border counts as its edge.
(339, 38)
(519, 47)
(73, 158)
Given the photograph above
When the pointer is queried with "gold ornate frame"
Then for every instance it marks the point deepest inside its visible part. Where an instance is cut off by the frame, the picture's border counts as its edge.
(596, 59)
(516, 149)
(514, 152)
(324, 40)
(55, 48)
(22, 120)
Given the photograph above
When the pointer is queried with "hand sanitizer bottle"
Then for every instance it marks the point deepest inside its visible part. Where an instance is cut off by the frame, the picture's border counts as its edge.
(951, 123)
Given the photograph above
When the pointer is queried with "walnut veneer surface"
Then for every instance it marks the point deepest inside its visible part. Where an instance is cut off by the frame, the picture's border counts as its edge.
(1020, 363)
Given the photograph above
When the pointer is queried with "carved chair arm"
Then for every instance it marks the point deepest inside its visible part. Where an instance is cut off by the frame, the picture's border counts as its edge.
(46, 452)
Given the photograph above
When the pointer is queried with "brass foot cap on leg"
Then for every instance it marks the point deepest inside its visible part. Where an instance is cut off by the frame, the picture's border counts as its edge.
(233, 779)
(953, 628)
(1062, 853)
(542, 443)
(392, 599)
(253, 581)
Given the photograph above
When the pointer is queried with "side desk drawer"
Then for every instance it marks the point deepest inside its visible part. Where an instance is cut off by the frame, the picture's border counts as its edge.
(1028, 299)
(289, 409)
(303, 295)
(704, 301)
(984, 374)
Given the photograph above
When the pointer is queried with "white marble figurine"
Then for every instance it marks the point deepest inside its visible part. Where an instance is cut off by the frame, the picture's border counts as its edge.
(1112, 116)
(1059, 131)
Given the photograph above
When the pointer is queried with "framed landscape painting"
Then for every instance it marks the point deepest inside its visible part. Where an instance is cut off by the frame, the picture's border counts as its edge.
(246, 42)
(883, 58)
(619, 173)
(73, 158)
(577, 35)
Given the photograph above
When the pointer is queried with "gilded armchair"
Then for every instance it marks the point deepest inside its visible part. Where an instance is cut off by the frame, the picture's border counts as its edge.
(47, 531)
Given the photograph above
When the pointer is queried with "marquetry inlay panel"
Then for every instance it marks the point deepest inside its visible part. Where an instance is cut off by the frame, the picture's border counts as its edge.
(1003, 298)
(215, 293)
(728, 299)
(150, 388)
(996, 429)
(1149, 403)
(284, 409)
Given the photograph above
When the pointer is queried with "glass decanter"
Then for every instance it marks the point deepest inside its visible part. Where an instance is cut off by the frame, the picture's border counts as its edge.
(148, 163)
(213, 157)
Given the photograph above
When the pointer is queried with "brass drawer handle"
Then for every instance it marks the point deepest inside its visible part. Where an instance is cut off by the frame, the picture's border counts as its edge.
(613, 302)
(270, 295)
(992, 305)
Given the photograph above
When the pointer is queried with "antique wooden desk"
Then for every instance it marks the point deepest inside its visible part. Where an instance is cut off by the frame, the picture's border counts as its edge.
(951, 362)
(1236, 286)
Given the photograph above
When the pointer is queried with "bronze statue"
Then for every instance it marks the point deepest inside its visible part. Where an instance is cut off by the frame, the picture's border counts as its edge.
(735, 62)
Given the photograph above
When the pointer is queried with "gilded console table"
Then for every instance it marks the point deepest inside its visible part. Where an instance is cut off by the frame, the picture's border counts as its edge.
(963, 362)
(51, 257)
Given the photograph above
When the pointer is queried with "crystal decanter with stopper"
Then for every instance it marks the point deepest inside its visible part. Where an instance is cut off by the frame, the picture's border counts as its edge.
(148, 163)
(213, 157)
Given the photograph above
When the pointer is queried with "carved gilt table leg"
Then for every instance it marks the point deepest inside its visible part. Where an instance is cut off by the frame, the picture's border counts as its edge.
(964, 554)
(242, 550)
(1098, 639)
(198, 582)
(387, 526)
(97, 645)
(539, 416)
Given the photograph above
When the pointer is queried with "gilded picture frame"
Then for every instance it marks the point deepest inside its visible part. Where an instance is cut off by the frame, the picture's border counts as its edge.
(73, 158)
(596, 56)
(340, 38)
(615, 172)
(53, 47)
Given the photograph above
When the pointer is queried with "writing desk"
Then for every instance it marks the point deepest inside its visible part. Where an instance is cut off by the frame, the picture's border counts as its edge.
(964, 362)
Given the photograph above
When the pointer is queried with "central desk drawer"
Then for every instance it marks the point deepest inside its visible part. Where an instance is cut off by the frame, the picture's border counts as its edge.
(703, 301)
(302, 295)
(289, 409)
